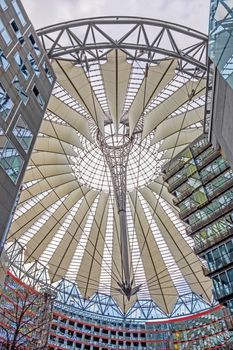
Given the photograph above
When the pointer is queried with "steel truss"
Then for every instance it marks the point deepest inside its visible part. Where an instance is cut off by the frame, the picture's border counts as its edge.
(69, 299)
(147, 40)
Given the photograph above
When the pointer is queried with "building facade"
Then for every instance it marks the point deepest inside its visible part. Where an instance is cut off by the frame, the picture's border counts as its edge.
(55, 325)
(26, 82)
(202, 182)
(205, 330)
(220, 55)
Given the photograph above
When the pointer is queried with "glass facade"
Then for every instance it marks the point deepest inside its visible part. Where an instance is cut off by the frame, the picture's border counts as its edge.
(221, 38)
(203, 188)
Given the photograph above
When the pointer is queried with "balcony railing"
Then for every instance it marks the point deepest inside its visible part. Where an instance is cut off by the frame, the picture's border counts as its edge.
(228, 184)
(223, 292)
(171, 169)
(186, 212)
(197, 149)
(222, 262)
(211, 241)
(213, 216)
(215, 173)
(184, 195)
(177, 183)
(209, 158)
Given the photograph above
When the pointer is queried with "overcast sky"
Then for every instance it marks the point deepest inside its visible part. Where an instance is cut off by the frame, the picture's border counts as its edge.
(192, 13)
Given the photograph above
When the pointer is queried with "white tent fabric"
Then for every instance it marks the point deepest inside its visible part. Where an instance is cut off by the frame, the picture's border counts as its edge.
(67, 216)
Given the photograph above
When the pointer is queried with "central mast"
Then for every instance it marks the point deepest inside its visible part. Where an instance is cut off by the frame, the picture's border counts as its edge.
(116, 149)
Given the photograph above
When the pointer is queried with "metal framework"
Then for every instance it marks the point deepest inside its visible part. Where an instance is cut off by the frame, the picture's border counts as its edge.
(68, 297)
(142, 41)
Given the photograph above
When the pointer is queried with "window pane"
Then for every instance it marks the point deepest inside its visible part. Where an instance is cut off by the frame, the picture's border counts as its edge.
(230, 275)
(4, 33)
(38, 96)
(23, 134)
(19, 12)
(48, 73)
(3, 61)
(3, 5)
(22, 94)
(34, 44)
(33, 64)
(6, 104)
(21, 65)
(10, 159)
(17, 32)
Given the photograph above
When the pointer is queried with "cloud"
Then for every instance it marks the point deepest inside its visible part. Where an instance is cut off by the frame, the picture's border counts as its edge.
(191, 13)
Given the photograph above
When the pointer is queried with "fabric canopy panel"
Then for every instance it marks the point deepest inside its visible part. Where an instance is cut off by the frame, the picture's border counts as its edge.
(102, 119)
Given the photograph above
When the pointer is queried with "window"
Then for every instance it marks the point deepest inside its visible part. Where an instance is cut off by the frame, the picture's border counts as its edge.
(4, 33)
(23, 134)
(17, 31)
(20, 90)
(3, 5)
(10, 159)
(38, 96)
(34, 44)
(33, 64)
(6, 104)
(3, 61)
(62, 330)
(48, 73)
(21, 65)
(19, 12)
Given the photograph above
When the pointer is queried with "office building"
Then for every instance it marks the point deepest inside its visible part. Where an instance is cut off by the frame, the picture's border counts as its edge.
(201, 181)
(220, 54)
(26, 82)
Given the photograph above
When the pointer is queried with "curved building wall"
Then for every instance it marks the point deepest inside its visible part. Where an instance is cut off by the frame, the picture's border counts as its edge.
(206, 330)
(70, 330)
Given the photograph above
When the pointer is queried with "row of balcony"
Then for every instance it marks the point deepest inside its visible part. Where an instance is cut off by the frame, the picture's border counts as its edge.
(213, 240)
(209, 158)
(224, 292)
(211, 217)
(165, 345)
(204, 180)
(195, 205)
(218, 264)
(176, 164)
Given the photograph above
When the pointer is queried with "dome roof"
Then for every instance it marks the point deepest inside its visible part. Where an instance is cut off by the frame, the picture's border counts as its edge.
(94, 207)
